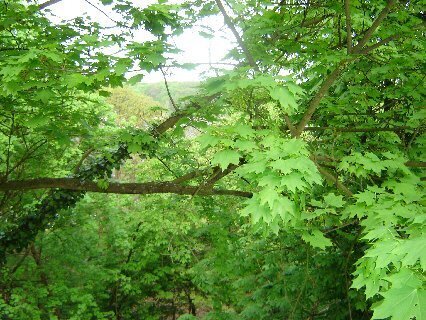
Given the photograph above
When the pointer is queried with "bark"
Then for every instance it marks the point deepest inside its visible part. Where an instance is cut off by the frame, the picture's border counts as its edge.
(118, 188)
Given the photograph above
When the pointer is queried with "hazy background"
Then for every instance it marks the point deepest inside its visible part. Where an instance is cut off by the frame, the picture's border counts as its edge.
(195, 48)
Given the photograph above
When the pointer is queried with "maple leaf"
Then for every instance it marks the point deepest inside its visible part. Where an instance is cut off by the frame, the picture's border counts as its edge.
(403, 303)
(226, 157)
(316, 239)
(334, 201)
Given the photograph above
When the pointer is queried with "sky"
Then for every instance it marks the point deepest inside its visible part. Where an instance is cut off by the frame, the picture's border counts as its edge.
(195, 48)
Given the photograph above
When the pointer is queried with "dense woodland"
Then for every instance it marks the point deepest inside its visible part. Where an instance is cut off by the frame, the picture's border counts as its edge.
(290, 186)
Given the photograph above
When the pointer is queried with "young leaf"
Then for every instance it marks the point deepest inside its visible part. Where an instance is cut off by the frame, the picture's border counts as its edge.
(226, 157)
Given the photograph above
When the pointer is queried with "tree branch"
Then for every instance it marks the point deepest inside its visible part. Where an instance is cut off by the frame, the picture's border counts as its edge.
(117, 188)
(168, 90)
(348, 26)
(230, 24)
(83, 157)
(379, 44)
(48, 4)
(314, 103)
(359, 129)
(369, 33)
(334, 180)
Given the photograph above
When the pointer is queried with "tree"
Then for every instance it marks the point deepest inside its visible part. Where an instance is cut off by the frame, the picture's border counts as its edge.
(319, 126)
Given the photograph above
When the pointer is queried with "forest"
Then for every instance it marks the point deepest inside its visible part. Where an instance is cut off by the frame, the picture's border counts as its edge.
(288, 183)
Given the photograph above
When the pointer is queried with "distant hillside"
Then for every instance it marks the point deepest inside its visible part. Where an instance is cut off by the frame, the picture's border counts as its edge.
(158, 92)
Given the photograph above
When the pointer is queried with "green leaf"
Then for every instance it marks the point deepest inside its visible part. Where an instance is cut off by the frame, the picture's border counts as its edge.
(102, 184)
(412, 250)
(293, 181)
(285, 208)
(285, 97)
(402, 303)
(404, 278)
(316, 239)
(334, 201)
(268, 195)
(226, 157)
(135, 79)
(207, 140)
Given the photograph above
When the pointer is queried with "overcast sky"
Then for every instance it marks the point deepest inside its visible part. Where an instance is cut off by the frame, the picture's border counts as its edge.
(195, 49)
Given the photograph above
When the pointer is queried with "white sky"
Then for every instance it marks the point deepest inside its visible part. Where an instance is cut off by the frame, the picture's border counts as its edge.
(195, 49)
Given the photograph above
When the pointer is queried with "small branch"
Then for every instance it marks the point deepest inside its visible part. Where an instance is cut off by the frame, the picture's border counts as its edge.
(230, 24)
(12, 127)
(168, 90)
(410, 164)
(189, 176)
(20, 261)
(101, 11)
(416, 164)
(219, 174)
(355, 129)
(117, 188)
(290, 125)
(369, 33)
(83, 157)
(334, 180)
(348, 26)
(315, 21)
(166, 166)
(379, 44)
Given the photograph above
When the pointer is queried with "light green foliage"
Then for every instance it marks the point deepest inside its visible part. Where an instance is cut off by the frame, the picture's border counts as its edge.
(298, 175)
(133, 109)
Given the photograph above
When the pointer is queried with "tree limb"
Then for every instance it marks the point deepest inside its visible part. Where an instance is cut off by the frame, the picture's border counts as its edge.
(334, 180)
(118, 188)
(172, 101)
(358, 129)
(369, 33)
(48, 4)
(348, 26)
(231, 26)
(314, 103)
(379, 44)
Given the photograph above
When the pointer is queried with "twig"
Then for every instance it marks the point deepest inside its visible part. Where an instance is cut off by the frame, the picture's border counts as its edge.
(231, 26)
(168, 90)
(101, 11)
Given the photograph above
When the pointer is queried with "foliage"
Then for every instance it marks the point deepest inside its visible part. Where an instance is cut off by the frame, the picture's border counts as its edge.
(298, 194)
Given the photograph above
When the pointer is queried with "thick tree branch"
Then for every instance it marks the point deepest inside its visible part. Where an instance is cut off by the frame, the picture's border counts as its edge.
(118, 188)
(348, 26)
(369, 33)
(314, 103)
(167, 124)
(289, 125)
(48, 3)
